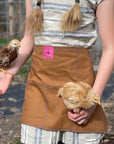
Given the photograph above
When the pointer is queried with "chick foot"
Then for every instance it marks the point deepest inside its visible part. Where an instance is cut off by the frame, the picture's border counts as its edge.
(5, 72)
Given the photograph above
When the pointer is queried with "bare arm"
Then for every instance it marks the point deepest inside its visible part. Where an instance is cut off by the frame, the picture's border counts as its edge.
(27, 44)
(25, 51)
(105, 16)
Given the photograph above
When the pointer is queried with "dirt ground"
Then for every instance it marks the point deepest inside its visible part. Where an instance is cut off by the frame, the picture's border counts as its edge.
(10, 129)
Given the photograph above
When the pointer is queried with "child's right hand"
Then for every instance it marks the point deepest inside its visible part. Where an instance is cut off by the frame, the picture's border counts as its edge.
(5, 80)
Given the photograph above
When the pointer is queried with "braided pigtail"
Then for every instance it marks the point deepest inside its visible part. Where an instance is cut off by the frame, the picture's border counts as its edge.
(72, 18)
(34, 22)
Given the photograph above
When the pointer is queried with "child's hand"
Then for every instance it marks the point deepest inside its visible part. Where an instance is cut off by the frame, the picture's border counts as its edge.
(5, 80)
(82, 117)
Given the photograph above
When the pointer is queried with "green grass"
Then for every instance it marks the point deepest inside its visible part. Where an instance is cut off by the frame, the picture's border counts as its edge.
(4, 41)
(25, 69)
(15, 141)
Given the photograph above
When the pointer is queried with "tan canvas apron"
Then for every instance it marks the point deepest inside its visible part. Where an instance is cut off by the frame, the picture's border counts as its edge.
(42, 107)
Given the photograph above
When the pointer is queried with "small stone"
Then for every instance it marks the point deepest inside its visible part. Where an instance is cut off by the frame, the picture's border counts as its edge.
(106, 140)
(1, 114)
(14, 109)
(7, 120)
(12, 99)
(2, 99)
(3, 108)
(108, 85)
(10, 132)
(0, 130)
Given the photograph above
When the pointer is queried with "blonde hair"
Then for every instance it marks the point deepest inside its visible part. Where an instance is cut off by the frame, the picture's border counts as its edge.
(70, 20)
(34, 22)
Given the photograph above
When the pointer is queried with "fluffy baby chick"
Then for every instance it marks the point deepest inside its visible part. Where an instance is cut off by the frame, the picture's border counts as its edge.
(78, 95)
(8, 54)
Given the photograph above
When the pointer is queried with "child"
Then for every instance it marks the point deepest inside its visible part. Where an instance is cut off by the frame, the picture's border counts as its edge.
(61, 55)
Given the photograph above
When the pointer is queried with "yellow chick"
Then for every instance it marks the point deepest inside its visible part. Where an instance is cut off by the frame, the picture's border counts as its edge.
(78, 95)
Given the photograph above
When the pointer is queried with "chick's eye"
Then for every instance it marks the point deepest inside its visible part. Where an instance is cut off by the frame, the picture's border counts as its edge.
(77, 92)
(73, 91)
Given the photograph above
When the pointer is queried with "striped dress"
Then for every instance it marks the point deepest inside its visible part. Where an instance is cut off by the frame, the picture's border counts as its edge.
(53, 11)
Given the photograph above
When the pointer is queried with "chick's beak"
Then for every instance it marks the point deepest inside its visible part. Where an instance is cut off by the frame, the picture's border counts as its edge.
(19, 45)
(97, 100)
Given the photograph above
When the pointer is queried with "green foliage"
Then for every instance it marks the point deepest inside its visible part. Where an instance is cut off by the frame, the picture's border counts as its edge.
(25, 69)
(15, 141)
(3, 41)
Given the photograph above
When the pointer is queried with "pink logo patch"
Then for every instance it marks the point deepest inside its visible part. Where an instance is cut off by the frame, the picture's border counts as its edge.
(48, 52)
